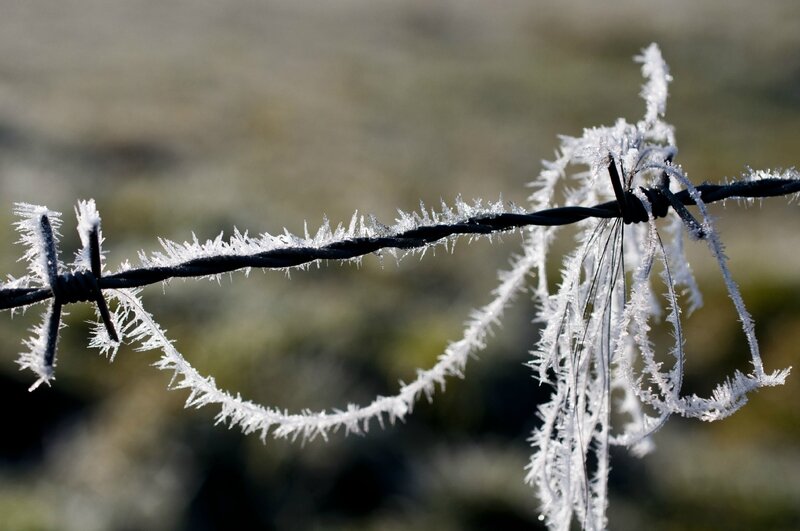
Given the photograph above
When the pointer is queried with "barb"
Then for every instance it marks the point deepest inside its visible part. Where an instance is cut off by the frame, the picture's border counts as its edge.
(415, 238)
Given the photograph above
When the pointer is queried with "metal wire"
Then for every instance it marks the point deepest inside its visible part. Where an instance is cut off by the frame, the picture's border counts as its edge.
(634, 212)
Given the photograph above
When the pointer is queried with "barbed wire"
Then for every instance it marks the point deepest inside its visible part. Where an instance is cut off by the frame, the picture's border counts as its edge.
(88, 285)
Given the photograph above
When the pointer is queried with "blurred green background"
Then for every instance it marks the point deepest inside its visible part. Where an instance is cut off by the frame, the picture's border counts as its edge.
(184, 116)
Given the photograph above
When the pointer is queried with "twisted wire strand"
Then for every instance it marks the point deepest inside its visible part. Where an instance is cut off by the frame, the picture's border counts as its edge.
(633, 212)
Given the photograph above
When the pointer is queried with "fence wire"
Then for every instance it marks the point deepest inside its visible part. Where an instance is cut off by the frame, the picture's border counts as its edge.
(88, 285)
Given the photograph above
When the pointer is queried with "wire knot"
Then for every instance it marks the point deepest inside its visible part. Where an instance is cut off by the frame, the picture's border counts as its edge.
(631, 207)
(634, 210)
(80, 286)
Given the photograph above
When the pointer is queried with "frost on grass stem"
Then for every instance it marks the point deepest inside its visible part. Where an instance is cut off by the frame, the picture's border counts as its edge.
(596, 337)
(141, 329)
(596, 325)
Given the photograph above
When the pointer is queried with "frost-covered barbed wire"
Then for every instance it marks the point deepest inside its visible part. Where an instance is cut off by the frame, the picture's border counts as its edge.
(595, 338)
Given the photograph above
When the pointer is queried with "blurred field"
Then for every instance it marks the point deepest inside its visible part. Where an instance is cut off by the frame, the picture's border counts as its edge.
(200, 116)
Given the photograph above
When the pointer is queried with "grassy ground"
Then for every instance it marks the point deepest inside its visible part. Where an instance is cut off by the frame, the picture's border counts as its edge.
(198, 116)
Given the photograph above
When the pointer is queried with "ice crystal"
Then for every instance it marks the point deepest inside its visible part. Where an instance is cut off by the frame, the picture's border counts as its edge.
(36, 240)
(242, 244)
(88, 222)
